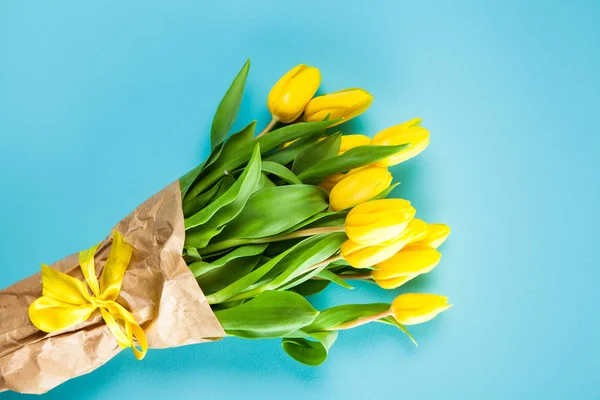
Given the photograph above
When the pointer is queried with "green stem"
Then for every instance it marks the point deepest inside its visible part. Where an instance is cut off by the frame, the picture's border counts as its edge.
(361, 321)
(268, 127)
(269, 286)
(349, 277)
(234, 242)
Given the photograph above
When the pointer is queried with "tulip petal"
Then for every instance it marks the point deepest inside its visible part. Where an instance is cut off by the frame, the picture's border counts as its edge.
(359, 187)
(418, 229)
(344, 104)
(352, 141)
(363, 256)
(416, 308)
(410, 261)
(378, 221)
(275, 92)
(292, 92)
(394, 282)
(436, 235)
(408, 132)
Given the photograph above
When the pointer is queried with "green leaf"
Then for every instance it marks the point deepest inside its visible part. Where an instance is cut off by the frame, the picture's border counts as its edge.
(310, 352)
(241, 142)
(273, 210)
(292, 132)
(186, 181)
(281, 171)
(288, 265)
(287, 154)
(228, 108)
(386, 192)
(335, 316)
(310, 287)
(353, 158)
(327, 218)
(392, 321)
(317, 152)
(196, 204)
(330, 276)
(271, 314)
(202, 267)
(252, 171)
(218, 278)
(264, 183)
(190, 254)
(267, 142)
(243, 283)
(310, 252)
(212, 219)
(302, 277)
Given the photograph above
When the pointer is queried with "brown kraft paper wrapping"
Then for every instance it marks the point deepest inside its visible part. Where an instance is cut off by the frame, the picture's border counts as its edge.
(158, 288)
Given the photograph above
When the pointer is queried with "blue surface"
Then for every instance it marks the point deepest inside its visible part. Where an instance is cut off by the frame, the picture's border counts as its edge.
(123, 93)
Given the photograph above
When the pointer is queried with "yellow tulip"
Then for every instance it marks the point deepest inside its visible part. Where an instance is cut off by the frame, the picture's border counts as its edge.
(355, 170)
(436, 235)
(363, 256)
(409, 133)
(332, 180)
(359, 187)
(418, 228)
(416, 308)
(352, 141)
(292, 92)
(408, 263)
(345, 104)
(378, 221)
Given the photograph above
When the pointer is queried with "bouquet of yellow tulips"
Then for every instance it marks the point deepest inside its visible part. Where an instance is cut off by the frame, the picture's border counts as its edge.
(235, 246)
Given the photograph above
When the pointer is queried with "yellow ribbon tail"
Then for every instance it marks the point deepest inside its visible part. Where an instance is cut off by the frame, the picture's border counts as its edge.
(115, 313)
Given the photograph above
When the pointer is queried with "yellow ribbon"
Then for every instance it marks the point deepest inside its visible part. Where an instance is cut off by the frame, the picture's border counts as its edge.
(66, 302)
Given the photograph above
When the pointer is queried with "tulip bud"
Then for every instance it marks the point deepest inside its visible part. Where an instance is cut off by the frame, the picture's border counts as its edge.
(352, 141)
(345, 104)
(378, 221)
(416, 308)
(410, 262)
(359, 187)
(436, 235)
(409, 133)
(363, 256)
(292, 92)
(332, 180)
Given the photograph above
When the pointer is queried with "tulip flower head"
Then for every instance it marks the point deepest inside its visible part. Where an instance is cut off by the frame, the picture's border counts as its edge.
(359, 187)
(292, 92)
(345, 104)
(364, 256)
(378, 221)
(410, 133)
(351, 141)
(408, 263)
(332, 180)
(418, 228)
(416, 308)
(436, 235)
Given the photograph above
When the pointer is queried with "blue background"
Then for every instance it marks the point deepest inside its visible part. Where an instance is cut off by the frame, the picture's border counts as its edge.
(122, 94)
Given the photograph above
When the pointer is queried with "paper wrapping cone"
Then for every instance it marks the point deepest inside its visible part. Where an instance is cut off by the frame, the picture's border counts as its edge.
(158, 288)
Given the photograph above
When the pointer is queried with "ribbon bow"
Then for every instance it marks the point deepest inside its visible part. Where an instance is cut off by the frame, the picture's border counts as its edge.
(66, 301)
